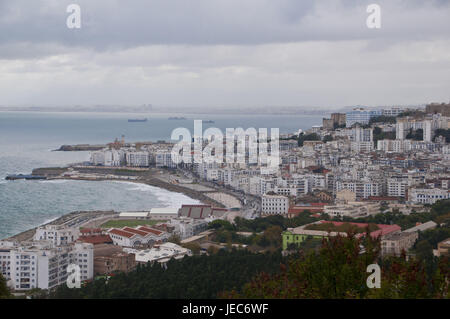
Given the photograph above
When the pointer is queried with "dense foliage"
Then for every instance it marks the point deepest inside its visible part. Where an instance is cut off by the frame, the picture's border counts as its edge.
(444, 133)
(4, 291)
(413, 113)
(307, 137)
(378, 134)
(262, 223)
(190, 278)
(416, 135)
(383, 119)
(439, 212)
(339, 270)
(266, 232)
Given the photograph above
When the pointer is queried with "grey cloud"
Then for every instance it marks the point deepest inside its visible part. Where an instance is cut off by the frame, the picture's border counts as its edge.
(224, 52)
(115, 24)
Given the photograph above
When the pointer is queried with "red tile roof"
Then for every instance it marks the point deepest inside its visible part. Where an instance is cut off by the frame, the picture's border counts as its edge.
(122, 233)
(135, 231)
(383, 229)
(148, 230)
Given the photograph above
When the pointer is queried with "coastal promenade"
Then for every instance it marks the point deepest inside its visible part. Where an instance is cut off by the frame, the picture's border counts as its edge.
(162, 178)
(74, 219)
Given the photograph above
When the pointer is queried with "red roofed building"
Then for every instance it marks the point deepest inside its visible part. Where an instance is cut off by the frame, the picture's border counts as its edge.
(382, 231)
(141, 236)
(91, 231)
(200, 211)
(311, 207)
(150, 230)
(383, 199)
(299, 234)
(136, 231)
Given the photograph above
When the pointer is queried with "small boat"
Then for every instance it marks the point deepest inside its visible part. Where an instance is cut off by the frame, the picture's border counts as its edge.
(137, 120)
(209, 122)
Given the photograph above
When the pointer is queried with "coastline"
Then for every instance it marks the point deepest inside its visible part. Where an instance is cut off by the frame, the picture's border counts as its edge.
(153, 177)
(147, 179)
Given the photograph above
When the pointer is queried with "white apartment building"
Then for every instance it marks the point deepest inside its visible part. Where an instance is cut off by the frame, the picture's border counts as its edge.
(241, 182)
(138, 159)
(57, 234)
(362, 134)
(186, 227)
(362, 189)
(396, 187)
(396, 146)
(212, 174)
(114, 157)
(164, 159)
(428, 131)
(5, 259)
(427, 195)
(362, 147)
(395, 111)
(261, 185)
(286, 191)
(42, 265)
(226, 175)
(203, 168)
(400, 132)
(302, 183)
(352, 209)
(275, 204)
(98, 158)
(361, 116)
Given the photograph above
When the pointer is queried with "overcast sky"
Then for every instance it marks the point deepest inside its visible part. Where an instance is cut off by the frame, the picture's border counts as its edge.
(223, 53)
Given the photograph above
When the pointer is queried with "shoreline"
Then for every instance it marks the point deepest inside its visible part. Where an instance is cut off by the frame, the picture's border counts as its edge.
(147, 180)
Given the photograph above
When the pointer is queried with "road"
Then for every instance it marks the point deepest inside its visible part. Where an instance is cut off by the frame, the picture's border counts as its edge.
(251, 205)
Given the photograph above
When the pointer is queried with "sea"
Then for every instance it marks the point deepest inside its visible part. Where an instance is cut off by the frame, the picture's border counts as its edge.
(28, 141)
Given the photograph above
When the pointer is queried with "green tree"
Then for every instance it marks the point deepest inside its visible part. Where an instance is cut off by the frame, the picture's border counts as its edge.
(4, 290)
(174, 239)
(220, 224)
(382, 119)
(416, 135)
(195, 277)
(338, 270)
(194, 247)
(442, 132)
(307, 137)
(273, 235)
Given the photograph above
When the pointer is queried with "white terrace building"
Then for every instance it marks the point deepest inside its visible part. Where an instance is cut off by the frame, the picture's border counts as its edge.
(275, 204)
(57, 234)
(42, 265)
(427, 195)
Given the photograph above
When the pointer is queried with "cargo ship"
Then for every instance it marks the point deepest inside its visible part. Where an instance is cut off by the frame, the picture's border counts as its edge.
(27, 177)
(176, 118)
(137, 120)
